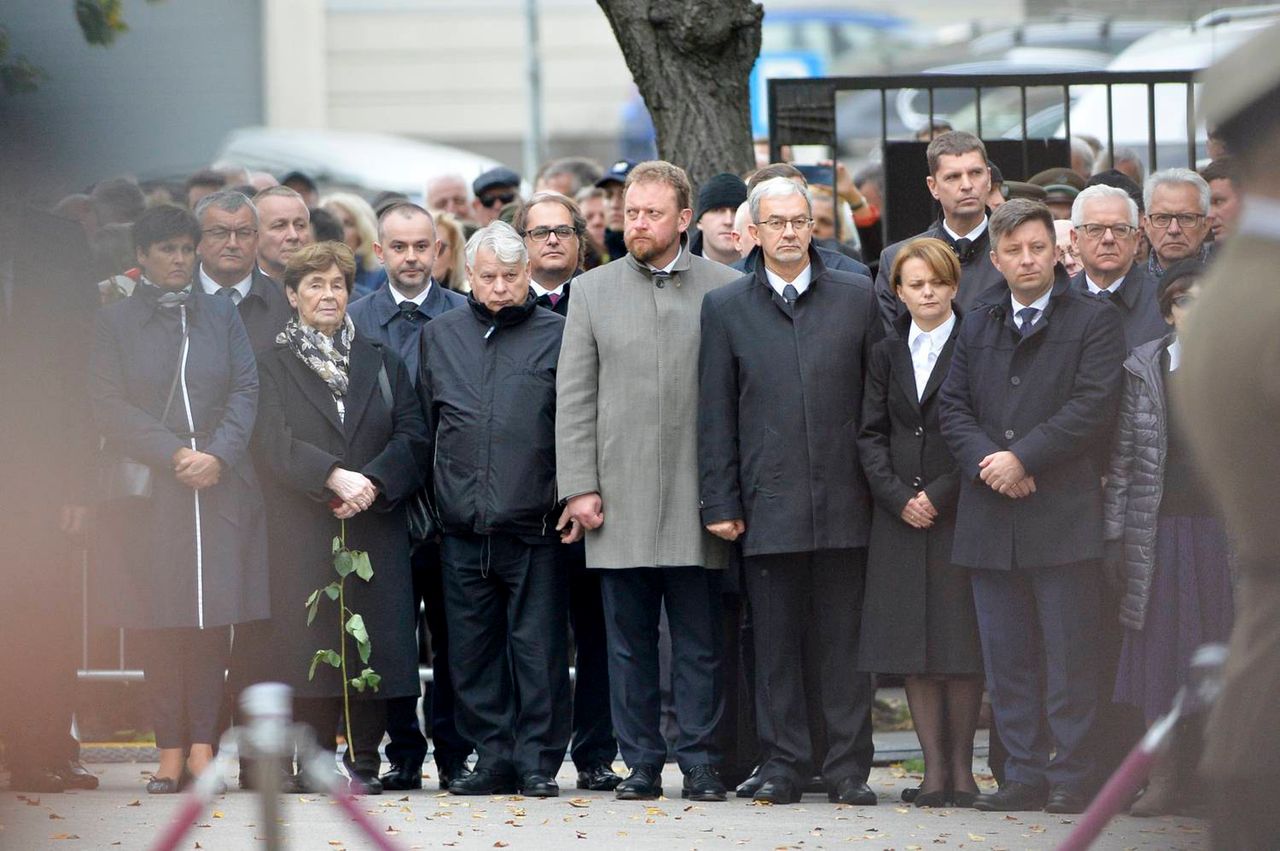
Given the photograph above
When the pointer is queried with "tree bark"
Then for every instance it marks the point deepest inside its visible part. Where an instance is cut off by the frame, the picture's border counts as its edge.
(691, 60)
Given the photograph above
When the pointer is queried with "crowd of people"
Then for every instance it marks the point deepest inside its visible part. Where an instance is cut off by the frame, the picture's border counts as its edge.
(712, 446)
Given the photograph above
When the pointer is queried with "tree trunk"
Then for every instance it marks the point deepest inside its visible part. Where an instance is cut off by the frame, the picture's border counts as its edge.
(691, 60)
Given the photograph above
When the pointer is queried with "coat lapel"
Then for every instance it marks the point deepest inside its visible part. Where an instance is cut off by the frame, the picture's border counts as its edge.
(314, 388)
(362, 382)
(904, 368)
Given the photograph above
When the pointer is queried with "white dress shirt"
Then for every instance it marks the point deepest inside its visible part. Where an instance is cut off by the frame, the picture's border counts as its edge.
(1175, 354)
(419, 299)
(667, 268)
(801, 283)
(210, 286)
(539, 290)
(971, 235)
(925, 347)
(1039, 304)
(1094, 289)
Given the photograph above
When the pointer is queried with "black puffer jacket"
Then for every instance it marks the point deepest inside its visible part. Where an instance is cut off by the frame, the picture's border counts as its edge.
(1135, 482)
(488, 388)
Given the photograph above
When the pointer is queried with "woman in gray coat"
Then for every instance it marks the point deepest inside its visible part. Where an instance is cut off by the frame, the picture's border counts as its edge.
(1165, 542)
(174, 390)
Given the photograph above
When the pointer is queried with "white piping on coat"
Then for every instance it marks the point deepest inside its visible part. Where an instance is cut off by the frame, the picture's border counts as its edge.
(191, 428)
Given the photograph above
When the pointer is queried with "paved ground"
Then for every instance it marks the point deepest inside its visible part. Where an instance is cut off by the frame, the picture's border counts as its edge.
(120, 815)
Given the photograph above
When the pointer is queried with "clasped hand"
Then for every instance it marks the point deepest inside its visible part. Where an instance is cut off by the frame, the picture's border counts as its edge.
(1004, 474)
(196, 470)
(355, 490)
(919, 512)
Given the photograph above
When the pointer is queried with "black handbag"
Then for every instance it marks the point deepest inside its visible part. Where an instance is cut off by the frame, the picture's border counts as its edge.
(423, 528)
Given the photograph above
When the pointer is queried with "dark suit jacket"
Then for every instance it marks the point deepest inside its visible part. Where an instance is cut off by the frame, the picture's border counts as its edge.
(977, 275)
(562, 306)
(378, 318)
(834, 260)
(1136, 301)
(1050, 398)
(780, 402)
(264, 311)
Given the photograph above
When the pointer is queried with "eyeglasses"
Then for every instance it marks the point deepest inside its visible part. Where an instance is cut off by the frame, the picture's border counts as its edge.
(1186, 221)
(562, 232)
(1094, 231)
(221, 234)
(497, 198)
(799, 224)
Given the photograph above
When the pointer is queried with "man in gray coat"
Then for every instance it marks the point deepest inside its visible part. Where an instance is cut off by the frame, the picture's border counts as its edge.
(626, 455)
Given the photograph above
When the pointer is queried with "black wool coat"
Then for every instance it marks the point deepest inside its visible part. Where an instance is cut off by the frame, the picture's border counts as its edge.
(1137, 301)
(918, 614)
(264, 311)
(780, 405)
(182, 558)
(1050, 398)
(298, 442)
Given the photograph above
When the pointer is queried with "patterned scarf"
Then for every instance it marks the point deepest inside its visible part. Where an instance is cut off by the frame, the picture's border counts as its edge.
(328, 357)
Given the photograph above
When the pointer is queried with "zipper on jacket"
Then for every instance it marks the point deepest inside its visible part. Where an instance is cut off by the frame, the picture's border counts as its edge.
(191, 428)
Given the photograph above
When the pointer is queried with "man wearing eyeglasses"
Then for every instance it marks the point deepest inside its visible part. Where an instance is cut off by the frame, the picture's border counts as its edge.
(228, 253)
(1104, 222)
(781, 364)
(494, 189)
(1177, 219)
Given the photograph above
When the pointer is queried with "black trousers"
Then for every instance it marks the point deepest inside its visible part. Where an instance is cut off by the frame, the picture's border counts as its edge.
(407, 744)
(810, 598)
(368, 719)
(507, 604)
(185, 671)
(633, 600)
(593, 741)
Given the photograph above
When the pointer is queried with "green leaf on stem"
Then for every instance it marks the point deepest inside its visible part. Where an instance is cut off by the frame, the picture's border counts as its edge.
(364, 569)
(358, 684)
(332, 590)
(337, 544)
(313, 606)
(315, 595)
(316, 660)
(343, 563)
(371, 678)
(365, 648)
(355, 628)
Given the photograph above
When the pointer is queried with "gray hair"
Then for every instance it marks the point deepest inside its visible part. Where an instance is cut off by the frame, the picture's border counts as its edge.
(1175, 177)
(1097, 192)
(1123, 155)
(227, 200)
(500, 238)
(776, 187)
(1082, 149)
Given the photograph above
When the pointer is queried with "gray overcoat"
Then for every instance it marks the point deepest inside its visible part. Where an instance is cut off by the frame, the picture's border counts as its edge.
(627, 411)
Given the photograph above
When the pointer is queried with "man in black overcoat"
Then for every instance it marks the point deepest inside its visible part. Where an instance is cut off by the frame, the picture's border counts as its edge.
(781, 365)
(960, 181)
(1027, 410)
(394, 315)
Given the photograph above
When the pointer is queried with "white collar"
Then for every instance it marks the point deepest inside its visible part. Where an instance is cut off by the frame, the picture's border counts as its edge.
(539, 290)
(672, 264)
(1095, 289)
(1260, 217)
(1175, 354)
(210, 286)
(1039, 304)
(937, 337)
(801, 283)
(419, 299)
(971, 235)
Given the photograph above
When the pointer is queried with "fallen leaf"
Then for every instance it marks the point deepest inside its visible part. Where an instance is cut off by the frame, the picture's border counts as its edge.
(64, 836)
(405, 798)
(56, 817)
(134, 803)
(580, 834)
(977, 837)
(501, 844)
(217, 814)
(579, 802)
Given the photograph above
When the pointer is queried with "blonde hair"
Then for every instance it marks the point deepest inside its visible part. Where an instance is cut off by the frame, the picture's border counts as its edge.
(449, 230)
(935, 253)
(366, 223)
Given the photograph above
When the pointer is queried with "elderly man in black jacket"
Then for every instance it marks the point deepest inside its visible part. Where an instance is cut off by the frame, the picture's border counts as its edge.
(1027, 411)
(781, 365)
(488, 385)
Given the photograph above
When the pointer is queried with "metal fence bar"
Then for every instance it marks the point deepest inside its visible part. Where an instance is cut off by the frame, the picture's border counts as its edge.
(1151, 126)
(1191, 125)
(977, 107)
(1066, 112)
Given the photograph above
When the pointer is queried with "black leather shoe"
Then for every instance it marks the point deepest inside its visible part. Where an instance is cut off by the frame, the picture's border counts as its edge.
(941, 798)
(909, 794)
(365, 783)
(748, 788)
(402, 778)
(1065, 801)
(535, 784)
(1010, 798)
(37, 780)
(600, 778)
(483, 781)
(963, 800)
(778, 790)
(853, 791)
(162, 786)
(75, 776)
(702, 783)
(644, 783)
(448, 772)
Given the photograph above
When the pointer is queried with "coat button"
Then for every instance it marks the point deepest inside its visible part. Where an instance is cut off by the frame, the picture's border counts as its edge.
(1015, 381)
(919, 431)
(1008, 435)
(916, 482)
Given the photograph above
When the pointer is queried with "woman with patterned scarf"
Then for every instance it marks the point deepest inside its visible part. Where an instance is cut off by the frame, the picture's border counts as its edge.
(340, 444)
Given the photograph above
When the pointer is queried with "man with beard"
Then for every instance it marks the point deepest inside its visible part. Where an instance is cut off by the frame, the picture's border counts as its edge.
(626, 454)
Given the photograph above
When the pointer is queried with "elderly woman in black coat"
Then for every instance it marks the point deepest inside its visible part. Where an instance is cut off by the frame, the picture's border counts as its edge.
(918, 617)
(340, 444)
(181, 549)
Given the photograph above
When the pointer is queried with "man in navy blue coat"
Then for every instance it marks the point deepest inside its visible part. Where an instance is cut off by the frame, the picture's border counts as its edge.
(394, 315)
(1027, 410)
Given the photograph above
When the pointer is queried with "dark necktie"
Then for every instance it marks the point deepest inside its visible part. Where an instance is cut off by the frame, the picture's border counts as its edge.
(963, 247)
(1104, 295)
(790, 294)
(409, 311)
(1028, 317)
(231, 293)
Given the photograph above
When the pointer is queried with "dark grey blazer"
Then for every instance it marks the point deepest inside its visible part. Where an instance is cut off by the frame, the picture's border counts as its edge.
(1139, 309)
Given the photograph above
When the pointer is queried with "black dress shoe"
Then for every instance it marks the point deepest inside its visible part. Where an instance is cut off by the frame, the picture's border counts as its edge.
(778, 790)
(941, 798)
(748, 788)
(448, 772)
(484, 781)
(1065, 801)
(163, 785)
(644, 783)
(853, 791)
(909, 794)
(963, 800)
(1010, 798)
(42, 780)
(402, 778)
(702, 783)
(599, 778)
(76, 776)
(365, 783)
(535, 784)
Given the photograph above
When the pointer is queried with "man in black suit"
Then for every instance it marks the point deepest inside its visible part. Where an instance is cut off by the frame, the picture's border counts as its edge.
(394, 315)
(960, 181)
(781, 363)
(553, 227)
(228, 252)
(1027, 410)
(1104, 222)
